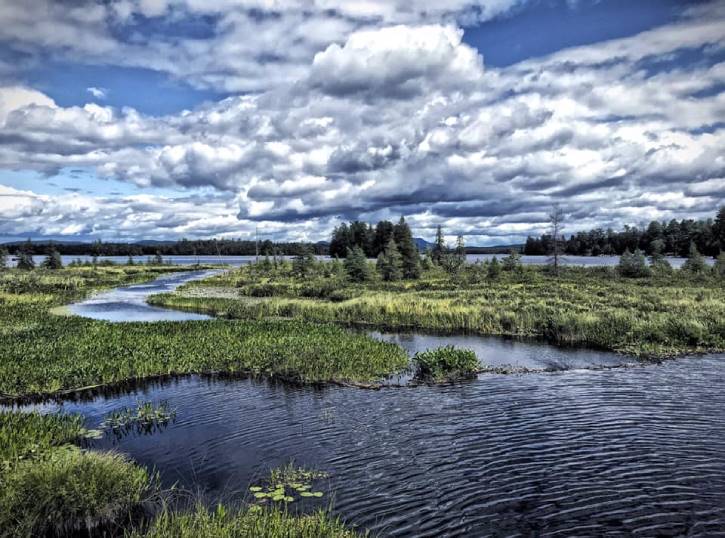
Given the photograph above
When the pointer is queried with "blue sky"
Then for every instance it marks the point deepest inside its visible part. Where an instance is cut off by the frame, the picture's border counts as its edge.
(161, 119)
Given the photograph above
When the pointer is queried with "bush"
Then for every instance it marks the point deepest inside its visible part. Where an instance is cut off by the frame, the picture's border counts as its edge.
(512, 262)
(446, 363)
(719, 267)
(695, 262)
(633, 265)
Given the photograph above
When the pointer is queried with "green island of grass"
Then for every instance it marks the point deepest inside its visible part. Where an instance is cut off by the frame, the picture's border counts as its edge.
(656, 316)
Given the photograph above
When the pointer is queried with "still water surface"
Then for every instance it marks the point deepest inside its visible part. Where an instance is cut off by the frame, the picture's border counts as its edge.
(578, 452)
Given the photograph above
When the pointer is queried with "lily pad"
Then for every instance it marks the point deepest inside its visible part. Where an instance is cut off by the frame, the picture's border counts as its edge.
(255, 488)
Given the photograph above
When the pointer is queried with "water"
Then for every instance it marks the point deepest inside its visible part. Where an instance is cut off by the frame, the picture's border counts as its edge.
(587, 261)
(635, 452)
(501, 352)
(129, 302)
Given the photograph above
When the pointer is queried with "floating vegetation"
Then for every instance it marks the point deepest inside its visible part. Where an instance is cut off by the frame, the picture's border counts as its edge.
(145, 417)
(446, 364)
(287, 484)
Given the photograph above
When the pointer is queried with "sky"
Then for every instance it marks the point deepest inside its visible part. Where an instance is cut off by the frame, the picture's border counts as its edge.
(162, 119)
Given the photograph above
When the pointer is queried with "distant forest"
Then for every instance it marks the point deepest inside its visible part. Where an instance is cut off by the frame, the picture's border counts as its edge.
(673, 237)
(185, 247)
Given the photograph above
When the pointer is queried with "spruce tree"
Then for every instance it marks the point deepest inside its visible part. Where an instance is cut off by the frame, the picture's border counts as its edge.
(390, 263)
(356, 265)
(494, 269)
(3, 258)
(695, 262)
(408, 250)
(439, 247)
(25, 261)
(53, 260)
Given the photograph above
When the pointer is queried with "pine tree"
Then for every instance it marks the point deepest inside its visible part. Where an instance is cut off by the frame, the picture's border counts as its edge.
(390, 263)
(25, 261)
(408, 250)
(718, 229)
(439, 247)
(633, 265)
(3, 258)
(494, 269)
(695, 262)
(512, 262)
(53, 260)
(356, 265)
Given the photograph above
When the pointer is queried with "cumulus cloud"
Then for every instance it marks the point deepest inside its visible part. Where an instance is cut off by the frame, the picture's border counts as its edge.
(387, 112)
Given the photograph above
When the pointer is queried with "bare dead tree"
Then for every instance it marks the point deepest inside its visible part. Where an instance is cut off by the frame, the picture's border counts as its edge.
(556, 227)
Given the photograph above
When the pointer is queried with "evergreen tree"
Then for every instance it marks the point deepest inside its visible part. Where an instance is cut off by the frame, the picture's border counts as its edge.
(356, 265)
(3, 258)
(304, 263)
(157, 259)
(390, 263)
(719, 267)
(494, 269)
(439, 246)
(53, 260)
(460, 247)
(25, 261)
(130, 260)
(718, 229)
(410, 258)
(512, 262)
(633, 265)
(384, 232)
(695, 262)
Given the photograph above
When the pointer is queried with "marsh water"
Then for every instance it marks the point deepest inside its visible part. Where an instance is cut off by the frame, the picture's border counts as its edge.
(128, 303)
(571, 452)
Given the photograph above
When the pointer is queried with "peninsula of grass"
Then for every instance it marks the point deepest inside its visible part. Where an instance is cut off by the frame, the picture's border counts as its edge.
(43, 354)
(649, 317)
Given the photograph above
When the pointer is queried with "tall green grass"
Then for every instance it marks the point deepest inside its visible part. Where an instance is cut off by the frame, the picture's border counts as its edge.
(49, 486)
(648, 317)
(247, 522)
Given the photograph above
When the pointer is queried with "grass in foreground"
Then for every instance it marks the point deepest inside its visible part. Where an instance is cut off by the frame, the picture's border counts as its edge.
(248, 522)
(656, 316)
(49, 486)
(44, 353)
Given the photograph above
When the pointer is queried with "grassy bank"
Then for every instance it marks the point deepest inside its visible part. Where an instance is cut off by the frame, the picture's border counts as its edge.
(43, 353)
(52, 487)
(594, 307)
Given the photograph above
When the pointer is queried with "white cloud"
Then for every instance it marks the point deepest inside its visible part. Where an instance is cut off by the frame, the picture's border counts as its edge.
(98, 93)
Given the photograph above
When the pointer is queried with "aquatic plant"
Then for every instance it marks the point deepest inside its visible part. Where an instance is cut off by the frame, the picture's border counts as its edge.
(144, 417)
(287, 484)
(446, 364)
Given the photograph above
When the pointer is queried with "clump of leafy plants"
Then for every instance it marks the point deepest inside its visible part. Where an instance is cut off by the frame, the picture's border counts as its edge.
(287, 484)
(445, 364)
(145, 417)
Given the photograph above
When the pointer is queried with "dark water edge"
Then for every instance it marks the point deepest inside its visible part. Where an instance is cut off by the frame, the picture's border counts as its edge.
(634, 452)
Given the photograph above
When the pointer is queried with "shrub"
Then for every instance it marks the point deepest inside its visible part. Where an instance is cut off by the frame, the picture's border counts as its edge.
(633, 265)
(25, 261)
(53, 261)
(719, 267)
(512, 262)
(695, 262)
(446, 363)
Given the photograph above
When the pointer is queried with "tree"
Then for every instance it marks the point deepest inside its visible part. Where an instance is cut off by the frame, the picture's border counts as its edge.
(718, 229)
(439, 246)
(304, 263)
(695, 262)
(390, 263)
(494, 269)
(130, 260)
(633, 265)
(384, 232)
(3, 258)
(356, 265)
(410, 257)
(719, 267)
(25, 261)
(556, 225)
(156, 260)
(53, 260)
(512, 262)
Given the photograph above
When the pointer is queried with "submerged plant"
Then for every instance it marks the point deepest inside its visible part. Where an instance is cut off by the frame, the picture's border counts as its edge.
(446, 364)
(286, 484)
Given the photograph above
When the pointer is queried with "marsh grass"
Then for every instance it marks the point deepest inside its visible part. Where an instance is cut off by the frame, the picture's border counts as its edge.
(50, 486)
(44, 354)
(594, 307)
(446, 364)
(245, 522)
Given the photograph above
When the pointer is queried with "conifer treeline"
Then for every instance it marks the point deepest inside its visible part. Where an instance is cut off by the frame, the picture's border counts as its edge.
(371, 239)
(673, 237)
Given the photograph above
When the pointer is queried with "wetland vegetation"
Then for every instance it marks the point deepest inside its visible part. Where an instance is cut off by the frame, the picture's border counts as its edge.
(658, 313)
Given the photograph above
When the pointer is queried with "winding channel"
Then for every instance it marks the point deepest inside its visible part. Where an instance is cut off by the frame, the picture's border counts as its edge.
(572, 452)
